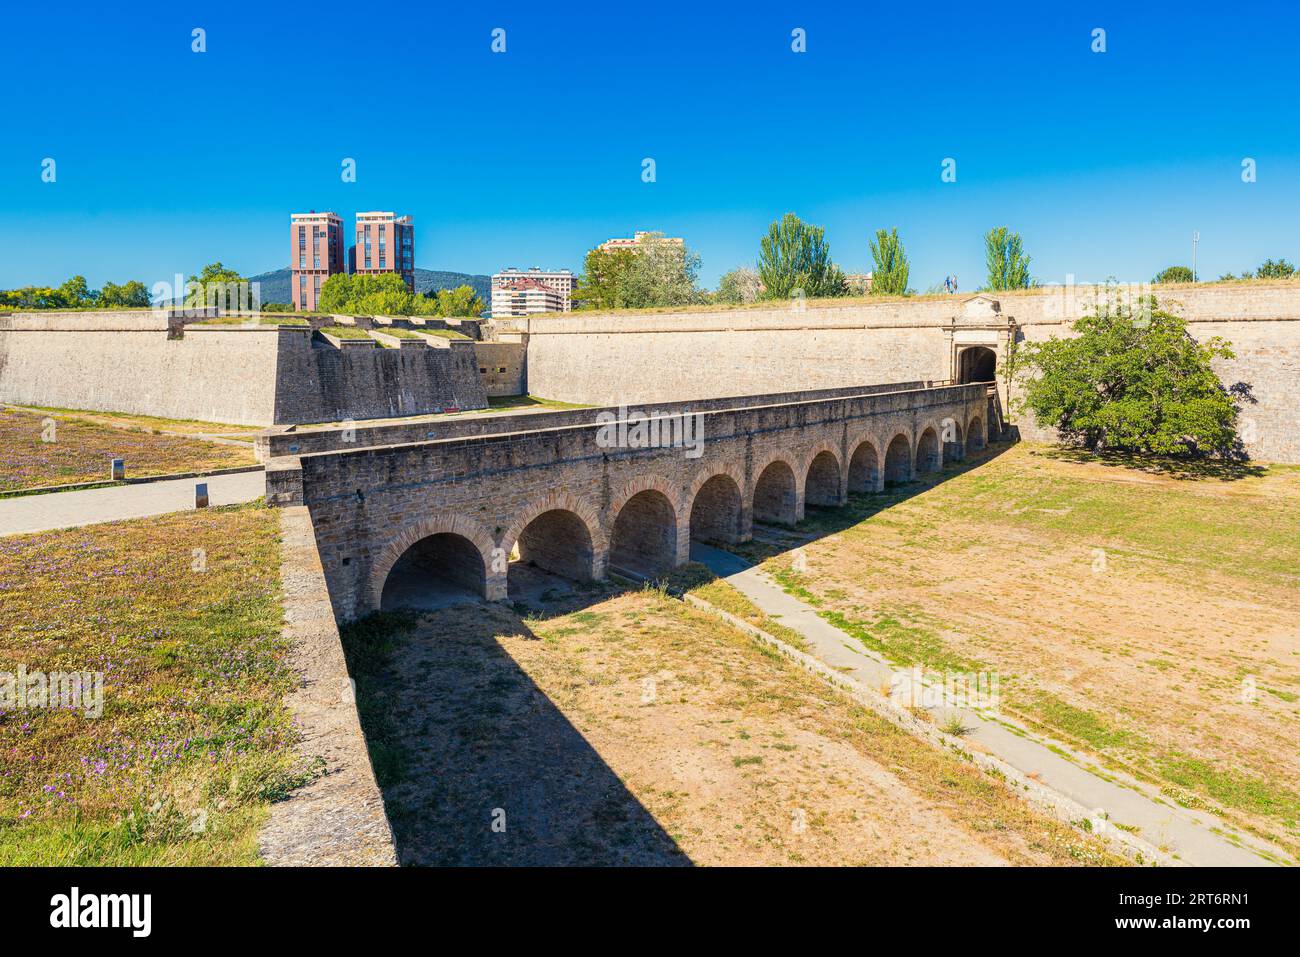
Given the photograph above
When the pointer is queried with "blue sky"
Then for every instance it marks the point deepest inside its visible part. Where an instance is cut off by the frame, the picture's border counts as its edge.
(1105, 163)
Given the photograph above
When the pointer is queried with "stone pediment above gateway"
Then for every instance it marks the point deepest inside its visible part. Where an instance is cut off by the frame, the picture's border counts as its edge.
(980, 309)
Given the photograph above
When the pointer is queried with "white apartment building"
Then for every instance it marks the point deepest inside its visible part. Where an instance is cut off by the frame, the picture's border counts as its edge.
(517, 292)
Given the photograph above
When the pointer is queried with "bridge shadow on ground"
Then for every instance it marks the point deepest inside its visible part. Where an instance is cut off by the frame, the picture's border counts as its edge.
(462, 739)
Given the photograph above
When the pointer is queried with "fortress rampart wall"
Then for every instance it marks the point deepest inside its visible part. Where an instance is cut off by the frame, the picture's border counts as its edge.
(147, 363)
(603, 359)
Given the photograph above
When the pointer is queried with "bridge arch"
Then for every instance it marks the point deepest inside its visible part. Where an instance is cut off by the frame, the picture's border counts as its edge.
(560, 533)
(898, 459)
(953, 441)
(717, 507)
(776, 492)
(646, 527)
(865, 473)
(929, 458)
(822, 477)
(451, 543)
(976, 438)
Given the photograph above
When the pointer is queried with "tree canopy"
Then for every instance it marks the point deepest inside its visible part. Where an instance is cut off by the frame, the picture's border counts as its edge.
(794, 255)
(603, 283)
(1270, 269)
(1174, 274)
(386, 295)
(218, 285)
(461, 301)
(656, 272)
(1131, 380)
(1007, 263)
(738, 286)
(75, 293)
(889, 277)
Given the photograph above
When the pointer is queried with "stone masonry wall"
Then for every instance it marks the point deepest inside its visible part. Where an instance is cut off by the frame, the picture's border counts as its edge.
(126, 363)
(245, 375)
(304, 441)
(318, 382)
(604, 358)
(501, 366)
(370, 505)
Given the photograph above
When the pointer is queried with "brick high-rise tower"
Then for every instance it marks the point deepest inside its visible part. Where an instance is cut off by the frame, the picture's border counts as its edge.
(317, 253)
(385, 243)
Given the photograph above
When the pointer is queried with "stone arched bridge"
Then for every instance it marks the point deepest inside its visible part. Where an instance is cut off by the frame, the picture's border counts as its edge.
(459, 498)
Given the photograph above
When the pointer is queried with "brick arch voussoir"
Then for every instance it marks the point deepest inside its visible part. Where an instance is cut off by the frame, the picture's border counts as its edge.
(708, 472)
(790, 461)
(645, 483)
(872, 439)
(816, 450)
(435, 524)
(559, 501)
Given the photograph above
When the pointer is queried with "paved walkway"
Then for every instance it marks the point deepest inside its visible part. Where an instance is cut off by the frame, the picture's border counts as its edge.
(1182, 833)
(38, 513)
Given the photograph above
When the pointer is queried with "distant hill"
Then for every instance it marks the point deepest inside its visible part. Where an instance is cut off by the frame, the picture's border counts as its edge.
(276, 284)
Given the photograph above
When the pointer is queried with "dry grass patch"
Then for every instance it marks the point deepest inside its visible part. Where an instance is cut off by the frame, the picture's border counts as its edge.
(1148, 619)
(38, 448)
(639, 731)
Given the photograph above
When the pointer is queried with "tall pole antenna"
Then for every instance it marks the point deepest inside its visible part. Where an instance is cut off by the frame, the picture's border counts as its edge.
(1196, 238)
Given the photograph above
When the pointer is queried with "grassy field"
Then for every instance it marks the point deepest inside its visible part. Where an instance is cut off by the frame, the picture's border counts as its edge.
(267, 319)
(1146, 617)
(632, 729)
(56, 448)
(345, 332)
(181, 615)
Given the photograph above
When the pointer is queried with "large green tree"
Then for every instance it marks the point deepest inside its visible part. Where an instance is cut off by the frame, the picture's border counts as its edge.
(1174, 274)
(132, 294)
(663, 273)
(1131, 380)
(604, 280)
(794, 255)
(384, 294)
(335, 293)
(76, 294)
(461, 301)
(738, 286)
(656, 272)
(218, 285)
(1005, 254)
(889, 277)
